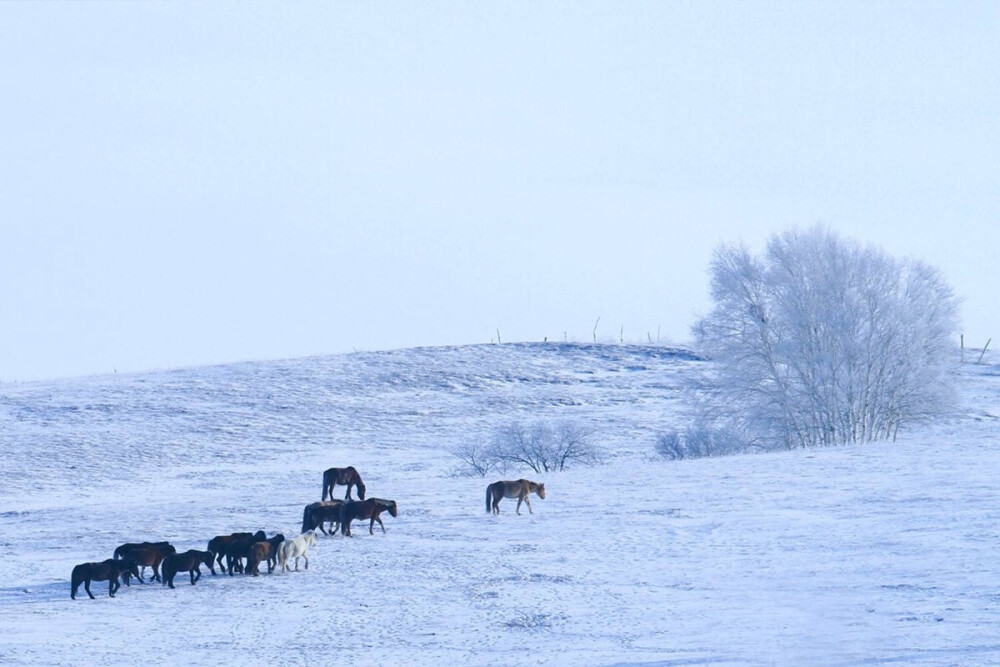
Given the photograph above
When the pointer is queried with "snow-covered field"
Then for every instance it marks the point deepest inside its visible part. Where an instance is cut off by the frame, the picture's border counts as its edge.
(876, 554)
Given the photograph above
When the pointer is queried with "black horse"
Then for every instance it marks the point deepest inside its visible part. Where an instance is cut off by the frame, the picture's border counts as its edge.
(316, 514)
(190, 561)
(220, 544)
(110, 570)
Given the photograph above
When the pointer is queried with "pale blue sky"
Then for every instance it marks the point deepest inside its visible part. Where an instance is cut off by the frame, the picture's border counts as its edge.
(187, 183)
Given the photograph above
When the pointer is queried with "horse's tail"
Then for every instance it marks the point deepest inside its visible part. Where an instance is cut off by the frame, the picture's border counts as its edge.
(167, 571)
(75, 580)
(306, 519)
(118, 553)
(324, 487)
(489, 493)
(283, 555)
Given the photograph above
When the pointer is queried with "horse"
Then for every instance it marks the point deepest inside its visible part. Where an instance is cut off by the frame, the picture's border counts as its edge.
(315, 514)
(348, 476)
(190, 561)
(365, 509)
(150, 556)
(125, 549)
(519, 489)
(110, 570)
(294, 548)
(264, 550)
(219, 545)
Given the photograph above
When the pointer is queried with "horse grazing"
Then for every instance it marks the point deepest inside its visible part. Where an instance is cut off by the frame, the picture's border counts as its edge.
(265, 550)
(220, 544)
(365, 509)
(190, 561)
(348, 476)
(519, 489)
(315, 514)
(295, 548)
(110, 570)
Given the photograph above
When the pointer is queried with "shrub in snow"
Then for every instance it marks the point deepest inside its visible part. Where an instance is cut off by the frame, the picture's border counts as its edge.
(541, 447)
(823, 341)
(700, 441)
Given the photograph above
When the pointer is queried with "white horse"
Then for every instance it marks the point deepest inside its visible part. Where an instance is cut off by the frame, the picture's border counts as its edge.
(295, 548)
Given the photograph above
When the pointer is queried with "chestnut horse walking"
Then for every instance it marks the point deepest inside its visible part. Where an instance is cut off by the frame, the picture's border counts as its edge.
(349, 476)
(365, 509)
(519, 489)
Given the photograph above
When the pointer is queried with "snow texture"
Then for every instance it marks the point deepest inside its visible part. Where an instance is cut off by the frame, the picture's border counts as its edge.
(882, 553)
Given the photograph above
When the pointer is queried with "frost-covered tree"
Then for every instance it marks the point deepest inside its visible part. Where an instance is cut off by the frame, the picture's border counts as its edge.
(824, 341)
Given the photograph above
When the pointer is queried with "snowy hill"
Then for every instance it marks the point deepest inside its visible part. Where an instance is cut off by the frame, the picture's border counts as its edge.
(884, 553)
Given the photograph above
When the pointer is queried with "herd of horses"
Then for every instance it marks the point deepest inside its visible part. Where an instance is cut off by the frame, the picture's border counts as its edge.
(244, 552)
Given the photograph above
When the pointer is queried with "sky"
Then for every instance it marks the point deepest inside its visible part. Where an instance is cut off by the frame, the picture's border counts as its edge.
(187, 183)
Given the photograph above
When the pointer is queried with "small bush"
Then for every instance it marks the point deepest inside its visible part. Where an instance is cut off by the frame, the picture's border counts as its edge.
(700, 441)
(541, 447)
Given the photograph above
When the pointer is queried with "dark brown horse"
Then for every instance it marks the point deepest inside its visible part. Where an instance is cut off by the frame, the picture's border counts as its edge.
(365, 509)
(220, 544)
(261, 551)
(125, 549)
(110, 570)
(520, 489)
(150, 556)
(190, 561)
(348, 476)
(316, 514)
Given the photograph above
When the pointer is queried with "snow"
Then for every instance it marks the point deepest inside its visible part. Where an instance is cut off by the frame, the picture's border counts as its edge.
(886, 553)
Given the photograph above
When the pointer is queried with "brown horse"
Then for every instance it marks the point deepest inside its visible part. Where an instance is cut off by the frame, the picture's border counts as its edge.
(365, 509)
(519, 489)
(190, 561)
(348, 476)
(219, 545)
(261, 551)
(150, 556)
(110, 570)
(266, 550)
(316, 514)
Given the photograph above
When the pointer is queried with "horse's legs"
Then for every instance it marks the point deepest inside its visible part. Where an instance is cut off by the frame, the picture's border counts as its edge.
(113, 586)
(376, 518)
(297, 562)
(527, 501)
(195, 575)
(86, 587)
(519, 501)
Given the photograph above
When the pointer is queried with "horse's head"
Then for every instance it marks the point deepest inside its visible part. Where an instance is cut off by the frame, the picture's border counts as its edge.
(208, 558)
(361, 489)
(393, 509)
(260, 536)
(128, 567)
(541, 491)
